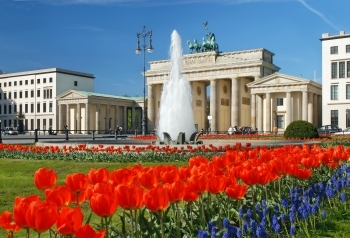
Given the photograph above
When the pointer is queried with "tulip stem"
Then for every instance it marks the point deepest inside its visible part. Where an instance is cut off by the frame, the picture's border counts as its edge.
(161, 223)
(107, 235)
(177, 220)
(27, 233)
(132, 224)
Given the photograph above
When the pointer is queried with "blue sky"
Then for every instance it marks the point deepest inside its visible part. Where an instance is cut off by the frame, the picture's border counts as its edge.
(99, 36)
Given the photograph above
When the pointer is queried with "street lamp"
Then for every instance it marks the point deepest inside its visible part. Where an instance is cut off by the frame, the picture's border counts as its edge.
(144, 35)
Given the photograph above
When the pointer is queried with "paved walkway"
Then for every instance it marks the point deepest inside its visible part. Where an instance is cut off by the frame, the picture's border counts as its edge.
(142, 143)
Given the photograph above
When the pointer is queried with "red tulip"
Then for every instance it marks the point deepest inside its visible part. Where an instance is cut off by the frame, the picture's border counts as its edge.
(216, 184)
(87, 231)
(198, 182)
(176, 191)
(61, 195)
(129, 196)
(21, 207)
(77, 199)
(190, 196)
(69, 221)
(148, 178)
(41, 216)
(236, 191)
(45, 178)
(156, 199)
(7, 223)
(77, 182)
(104, 205)
(98, 176)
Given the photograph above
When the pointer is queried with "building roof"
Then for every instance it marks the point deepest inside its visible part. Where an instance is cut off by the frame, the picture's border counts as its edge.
(45, 71)
(93, 94)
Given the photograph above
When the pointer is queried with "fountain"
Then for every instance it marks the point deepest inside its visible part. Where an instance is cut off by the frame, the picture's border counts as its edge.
(175, 113)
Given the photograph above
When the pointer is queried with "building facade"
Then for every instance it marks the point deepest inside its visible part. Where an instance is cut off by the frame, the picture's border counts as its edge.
(85, 111)
(245, 90)
(336, 79)
(28, 99)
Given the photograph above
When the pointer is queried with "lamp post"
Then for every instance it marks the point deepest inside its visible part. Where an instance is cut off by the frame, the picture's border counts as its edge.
(144, 34)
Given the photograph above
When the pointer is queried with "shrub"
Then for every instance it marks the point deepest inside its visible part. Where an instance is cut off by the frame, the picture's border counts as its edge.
(301, 130)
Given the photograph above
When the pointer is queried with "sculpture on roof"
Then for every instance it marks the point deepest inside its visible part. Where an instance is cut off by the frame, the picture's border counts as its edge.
(208, 44)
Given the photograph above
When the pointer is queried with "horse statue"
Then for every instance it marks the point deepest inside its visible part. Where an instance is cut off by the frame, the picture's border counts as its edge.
(190, 46)
(197, 47)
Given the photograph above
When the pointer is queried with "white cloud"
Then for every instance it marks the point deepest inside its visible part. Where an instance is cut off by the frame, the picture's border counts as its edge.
(322, 16)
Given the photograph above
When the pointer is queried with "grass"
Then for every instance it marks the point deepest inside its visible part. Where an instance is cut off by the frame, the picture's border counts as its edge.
(16, 179)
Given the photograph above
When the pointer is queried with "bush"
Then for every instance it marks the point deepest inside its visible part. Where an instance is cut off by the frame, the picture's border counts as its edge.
(301, 130)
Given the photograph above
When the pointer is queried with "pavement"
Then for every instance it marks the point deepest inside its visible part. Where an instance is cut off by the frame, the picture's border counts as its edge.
(75, 139)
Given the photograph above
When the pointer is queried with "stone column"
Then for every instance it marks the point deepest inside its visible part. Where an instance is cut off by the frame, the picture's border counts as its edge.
(304, 106)
(235, 102)
(315, 110)
(87, 118)
(268, 113)
(213, 101)
(310, 108)
(259, 113)
(133, 119)
(125, 120)
(107, 118)
(319, 110)
(97, 118)
(150, 111)
(60, 118)
(68, 117)
(288, 109)
(78, 119)
(115, 117)
(253, 111)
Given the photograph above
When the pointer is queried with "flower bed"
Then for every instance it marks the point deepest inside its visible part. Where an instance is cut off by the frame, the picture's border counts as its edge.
(244, 192)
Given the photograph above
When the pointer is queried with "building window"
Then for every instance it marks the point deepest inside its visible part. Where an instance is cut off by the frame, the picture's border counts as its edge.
(32, 81)
(347, 48)
(20, 82)
(334, 92)
(75, 83)
(14, 95)
(26, 94)
(334, 117)
(5, 109)
(348, 91)
(44, 107)
(280, 121)
(38, 107)
(14, 108)
(15, 83)
(20, 94)
(10, 109)
(44, 80)
(32, 93)
(25, 108)
(5, 84)
(26, 82)
(20, 108)
(50, 122)
(334, 50)
(9, 84)
(38, 93)
(10, 96)
(50, 80)
(31, 108)
(38, 81)
(5, 95)
(38, 124)
(348, 69)
(44, 124)
(342, 69)
(334, 70)
(32, 124)
(50, 107)
(279, 101)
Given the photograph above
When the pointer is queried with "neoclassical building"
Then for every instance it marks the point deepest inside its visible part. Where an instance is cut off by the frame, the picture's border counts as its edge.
(241, 84)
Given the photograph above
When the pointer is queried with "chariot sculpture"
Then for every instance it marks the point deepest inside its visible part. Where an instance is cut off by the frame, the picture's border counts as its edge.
(208, 44)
